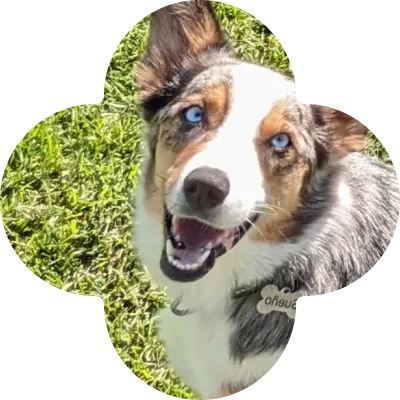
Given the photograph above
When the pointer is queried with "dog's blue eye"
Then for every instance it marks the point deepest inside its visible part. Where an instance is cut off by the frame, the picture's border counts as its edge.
(281, 141)
(194, 115)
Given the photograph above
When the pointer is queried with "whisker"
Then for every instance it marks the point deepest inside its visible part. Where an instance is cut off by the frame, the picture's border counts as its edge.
(264, 205)
(162, 177)
(255, 227)
(261, 213)
(273, 210)
(273, 207)
(282, 233)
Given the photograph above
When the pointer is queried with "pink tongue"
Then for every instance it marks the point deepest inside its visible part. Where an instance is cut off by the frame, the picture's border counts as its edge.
(195, 234)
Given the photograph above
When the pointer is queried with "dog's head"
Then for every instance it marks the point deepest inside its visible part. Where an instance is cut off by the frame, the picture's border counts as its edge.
(229, 147)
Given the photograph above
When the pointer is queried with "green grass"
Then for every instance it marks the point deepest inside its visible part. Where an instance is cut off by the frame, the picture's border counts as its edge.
(68, 191)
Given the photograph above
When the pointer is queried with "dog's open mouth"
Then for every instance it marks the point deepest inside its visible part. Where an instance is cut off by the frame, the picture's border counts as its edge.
(192, 247)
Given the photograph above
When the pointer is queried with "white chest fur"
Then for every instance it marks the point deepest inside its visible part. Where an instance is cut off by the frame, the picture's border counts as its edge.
(197, 345)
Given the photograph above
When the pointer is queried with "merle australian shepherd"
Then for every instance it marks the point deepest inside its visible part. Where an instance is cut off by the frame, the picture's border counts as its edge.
(245, 188)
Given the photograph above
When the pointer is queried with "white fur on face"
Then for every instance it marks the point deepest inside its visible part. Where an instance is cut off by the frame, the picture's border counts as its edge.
(233, 150)
(194, 340)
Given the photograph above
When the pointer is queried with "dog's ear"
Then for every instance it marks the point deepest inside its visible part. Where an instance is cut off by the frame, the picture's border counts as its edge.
(178, 33)
(345, 133)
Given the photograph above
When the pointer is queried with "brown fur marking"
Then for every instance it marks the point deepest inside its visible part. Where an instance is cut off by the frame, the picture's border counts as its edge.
(166, 169)
(176, 169)
(156, 180)
(285, 175)
(346, 133)
(171, 154)
(215, 101)
(178, 33)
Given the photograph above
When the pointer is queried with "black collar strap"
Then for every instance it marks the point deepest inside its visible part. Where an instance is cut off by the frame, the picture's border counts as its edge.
(178, 312)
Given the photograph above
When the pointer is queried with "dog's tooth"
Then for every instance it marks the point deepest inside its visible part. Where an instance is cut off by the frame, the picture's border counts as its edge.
(176, 263)
(181, 266)
(170, 249)
(208, 246)
(204, 256)
(177, 238)
(185, 267)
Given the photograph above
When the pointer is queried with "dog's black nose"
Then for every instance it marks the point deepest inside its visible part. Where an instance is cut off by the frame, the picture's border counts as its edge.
(206, 188)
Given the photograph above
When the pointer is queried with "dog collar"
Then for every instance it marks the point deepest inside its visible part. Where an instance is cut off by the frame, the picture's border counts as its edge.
(237, 293)
(180, 312)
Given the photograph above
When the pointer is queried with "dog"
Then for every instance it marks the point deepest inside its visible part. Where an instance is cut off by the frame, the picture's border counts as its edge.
(248, 200)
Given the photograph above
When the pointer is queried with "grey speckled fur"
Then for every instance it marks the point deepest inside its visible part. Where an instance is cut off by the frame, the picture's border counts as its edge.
(347, 247)
(346, 242)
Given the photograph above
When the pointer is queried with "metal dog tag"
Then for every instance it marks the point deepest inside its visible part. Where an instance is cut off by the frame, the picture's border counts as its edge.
(274, 299)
